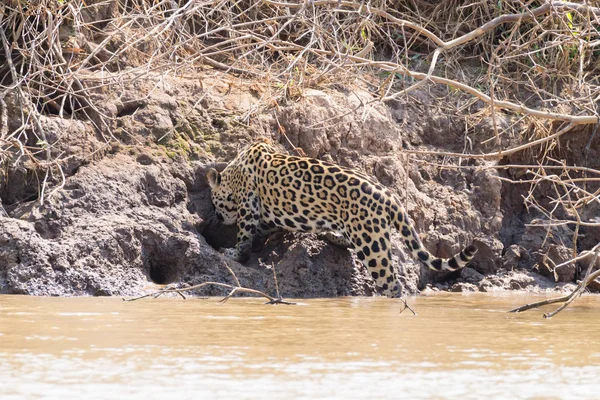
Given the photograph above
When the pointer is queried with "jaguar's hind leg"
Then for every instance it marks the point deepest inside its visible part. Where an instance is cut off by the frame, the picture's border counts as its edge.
(375, 254)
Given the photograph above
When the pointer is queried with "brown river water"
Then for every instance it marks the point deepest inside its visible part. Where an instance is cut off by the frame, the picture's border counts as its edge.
(458, 346)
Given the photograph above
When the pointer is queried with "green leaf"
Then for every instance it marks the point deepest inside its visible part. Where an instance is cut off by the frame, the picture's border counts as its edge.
(570, 20)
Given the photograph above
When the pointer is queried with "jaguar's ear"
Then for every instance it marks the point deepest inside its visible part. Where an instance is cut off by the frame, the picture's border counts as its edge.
(214, 178)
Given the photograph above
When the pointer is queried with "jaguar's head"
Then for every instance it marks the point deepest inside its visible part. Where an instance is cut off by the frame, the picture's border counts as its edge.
(222, 195)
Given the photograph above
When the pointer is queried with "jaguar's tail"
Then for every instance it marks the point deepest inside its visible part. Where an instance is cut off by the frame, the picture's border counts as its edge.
(414, 244)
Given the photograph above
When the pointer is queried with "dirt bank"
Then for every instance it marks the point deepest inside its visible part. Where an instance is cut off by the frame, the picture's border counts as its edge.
(134, 207)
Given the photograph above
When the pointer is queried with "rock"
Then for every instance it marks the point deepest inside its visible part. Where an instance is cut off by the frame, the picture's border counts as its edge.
(463, 287)
(471, 275)
(488, 257)
(520, 280)
(511, 257)
(556, 255)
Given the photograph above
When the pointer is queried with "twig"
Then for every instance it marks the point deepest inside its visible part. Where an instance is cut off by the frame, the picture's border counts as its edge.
(3, 117)
(279, 299)
(237, 282)
(275, 280)
(406, 306)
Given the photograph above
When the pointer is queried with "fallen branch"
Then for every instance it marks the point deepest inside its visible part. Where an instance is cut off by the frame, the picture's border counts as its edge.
(234, 289)
(568, 299)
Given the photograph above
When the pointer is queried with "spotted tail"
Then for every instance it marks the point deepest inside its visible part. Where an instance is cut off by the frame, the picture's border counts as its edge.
(413, 242)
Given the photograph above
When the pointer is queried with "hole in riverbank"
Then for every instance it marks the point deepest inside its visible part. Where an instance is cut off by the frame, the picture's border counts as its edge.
(163, 261)
(129, 108)
(162, 273)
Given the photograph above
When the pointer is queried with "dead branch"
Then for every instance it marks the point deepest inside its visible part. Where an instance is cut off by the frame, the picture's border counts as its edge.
(500, 153)
(444, 46)
(17, 80)
(237, 288)
(171, 38)
(577, 292)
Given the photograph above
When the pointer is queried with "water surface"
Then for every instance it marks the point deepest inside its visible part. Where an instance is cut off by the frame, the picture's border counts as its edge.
(459, 346)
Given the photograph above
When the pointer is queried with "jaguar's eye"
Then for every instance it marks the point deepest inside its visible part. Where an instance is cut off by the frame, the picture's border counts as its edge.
(229, 198)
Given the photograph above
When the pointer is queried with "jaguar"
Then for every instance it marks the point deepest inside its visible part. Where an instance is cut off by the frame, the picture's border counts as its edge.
(263, 190)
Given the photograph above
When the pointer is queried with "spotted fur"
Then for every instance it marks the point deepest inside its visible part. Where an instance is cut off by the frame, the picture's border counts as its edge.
(262, 190)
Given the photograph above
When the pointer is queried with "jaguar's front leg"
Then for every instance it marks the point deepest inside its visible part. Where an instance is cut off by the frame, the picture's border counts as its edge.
(248, 219)
(263, 233)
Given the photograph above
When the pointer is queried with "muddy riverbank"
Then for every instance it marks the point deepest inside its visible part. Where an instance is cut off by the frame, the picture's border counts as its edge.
(135, 210)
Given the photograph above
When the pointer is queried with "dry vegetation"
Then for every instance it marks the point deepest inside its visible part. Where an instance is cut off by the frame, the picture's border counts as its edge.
(536, 61)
